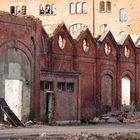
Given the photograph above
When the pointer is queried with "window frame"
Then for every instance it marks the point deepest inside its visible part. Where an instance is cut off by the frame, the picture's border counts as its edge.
(102, 7)
(61, 86)
(78, 6)
(23, 10)
(46, 8)
(84, 11)
(41, 9)
(72, 8)
(108, 6)
(12, 8)
(53, 9)
(70, 87)
(123, 15)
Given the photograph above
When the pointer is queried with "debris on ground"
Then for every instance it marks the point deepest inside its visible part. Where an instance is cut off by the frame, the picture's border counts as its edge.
(128, 114)
(32, 123)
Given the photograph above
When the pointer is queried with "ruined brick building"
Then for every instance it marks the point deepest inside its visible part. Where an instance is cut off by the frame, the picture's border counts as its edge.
(52, 77)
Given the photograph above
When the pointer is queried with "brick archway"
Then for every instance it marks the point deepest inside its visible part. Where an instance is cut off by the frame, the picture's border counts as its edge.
(16, 44)
(132, 87)
(16, 77)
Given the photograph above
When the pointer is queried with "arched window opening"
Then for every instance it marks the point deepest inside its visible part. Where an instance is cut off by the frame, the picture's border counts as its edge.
(85, 46)
(126, 51)
(18, 10)
(72, 8)
(24, 10)
(126, 89)
(61, 42)
(12, 9)
(41, 9)
(107, 48)
(102, 6)
(78, 8)
(47, 9)
(53, 9)
(104, 28)
(84, 7)
(123, 14)
(108, 6)
(76, 27)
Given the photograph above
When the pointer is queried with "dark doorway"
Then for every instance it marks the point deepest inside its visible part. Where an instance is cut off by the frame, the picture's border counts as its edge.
(48, 107)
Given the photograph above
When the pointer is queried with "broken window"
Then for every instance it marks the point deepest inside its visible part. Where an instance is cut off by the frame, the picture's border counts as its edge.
(72, 8)
(107, 48)
(41, 9)
(47, 9)
(78, 8)
(12, 9)
(53, 9)
(61, 41)
(123, 14)
(126, 51)
(70, 87)
(61, 86)
(85, 46)
(18, 10)
(102, 6)
(108, 6)
(24, 10)
(84, 7)
(126, 89)
(49, 86)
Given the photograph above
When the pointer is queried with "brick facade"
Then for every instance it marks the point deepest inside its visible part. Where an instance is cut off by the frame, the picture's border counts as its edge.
(72, 80)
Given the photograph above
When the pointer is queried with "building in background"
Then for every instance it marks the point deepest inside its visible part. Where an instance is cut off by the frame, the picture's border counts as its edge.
(98, 15)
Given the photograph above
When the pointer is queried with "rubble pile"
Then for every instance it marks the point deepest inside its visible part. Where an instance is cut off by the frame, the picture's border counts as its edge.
(127, 115)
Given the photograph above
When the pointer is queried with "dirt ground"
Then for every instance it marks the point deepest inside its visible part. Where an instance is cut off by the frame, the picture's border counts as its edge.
(36, 132)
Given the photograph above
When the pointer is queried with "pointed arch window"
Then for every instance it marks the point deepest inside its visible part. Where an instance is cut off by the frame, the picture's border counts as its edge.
(126, 51)
(107, 48)
(61, 42)
(84, 7)
(85, 46)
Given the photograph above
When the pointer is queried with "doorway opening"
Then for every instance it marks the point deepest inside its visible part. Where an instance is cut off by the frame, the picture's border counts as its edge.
(126, 89)
(48, 107)
(47, 100)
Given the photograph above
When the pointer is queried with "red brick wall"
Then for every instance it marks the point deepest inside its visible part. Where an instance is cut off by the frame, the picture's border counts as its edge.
(88, 69)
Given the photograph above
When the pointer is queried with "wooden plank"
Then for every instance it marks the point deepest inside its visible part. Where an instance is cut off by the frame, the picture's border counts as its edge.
(9, 113)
